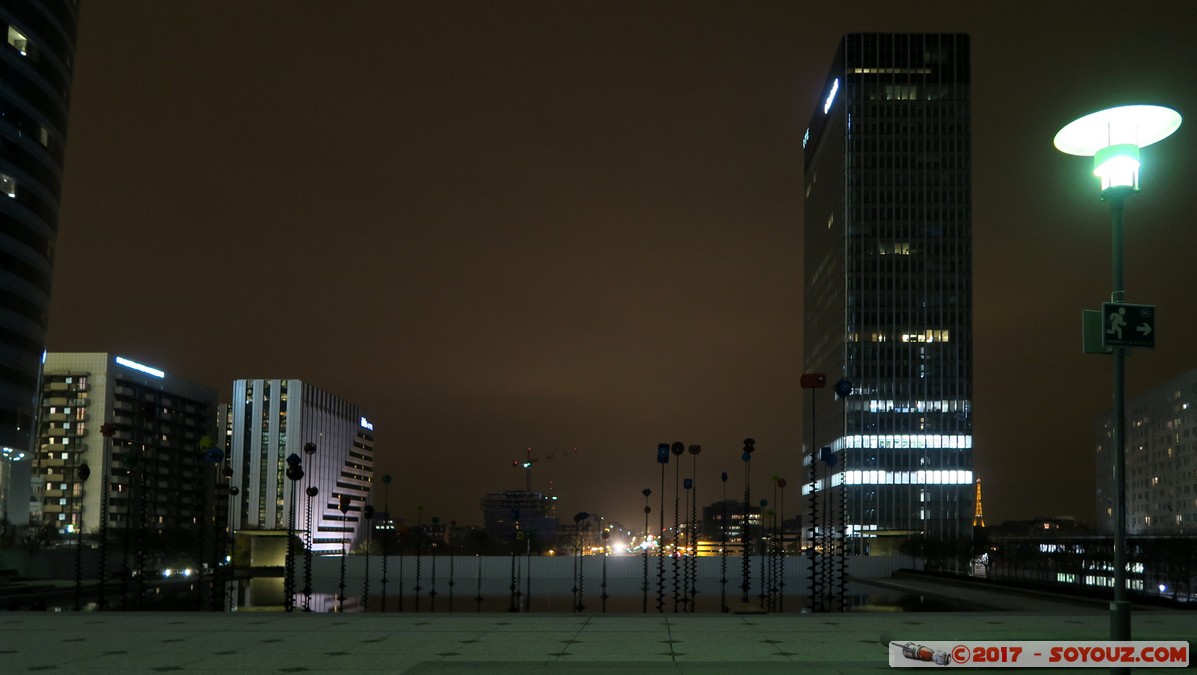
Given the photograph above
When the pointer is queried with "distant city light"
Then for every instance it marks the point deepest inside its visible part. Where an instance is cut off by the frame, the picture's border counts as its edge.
(11, 454)
(139, 367)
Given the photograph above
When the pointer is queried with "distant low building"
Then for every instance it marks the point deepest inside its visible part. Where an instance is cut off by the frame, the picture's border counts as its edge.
(1161, 461)
(1057, 526)
(505, 512)
(714, 526)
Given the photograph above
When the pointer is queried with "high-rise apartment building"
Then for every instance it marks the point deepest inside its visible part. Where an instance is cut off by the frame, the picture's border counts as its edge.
(275, 419)
(888, 301)
(36, 63)
(157, 475)
(1161, 461)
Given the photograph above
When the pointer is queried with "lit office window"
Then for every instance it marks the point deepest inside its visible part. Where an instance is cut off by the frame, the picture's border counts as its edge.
(18, 40)
(8, 185)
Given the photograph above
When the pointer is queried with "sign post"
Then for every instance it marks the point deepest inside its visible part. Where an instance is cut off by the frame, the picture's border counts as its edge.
(1126, 325)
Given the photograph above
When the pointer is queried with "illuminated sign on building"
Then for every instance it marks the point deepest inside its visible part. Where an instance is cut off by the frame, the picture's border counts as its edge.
(367, 424)
(139, 367)
(835, 86)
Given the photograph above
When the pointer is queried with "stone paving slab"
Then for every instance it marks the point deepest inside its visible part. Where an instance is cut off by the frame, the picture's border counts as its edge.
(502, 644)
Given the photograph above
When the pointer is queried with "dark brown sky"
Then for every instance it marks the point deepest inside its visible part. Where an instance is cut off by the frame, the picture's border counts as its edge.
(579, 225)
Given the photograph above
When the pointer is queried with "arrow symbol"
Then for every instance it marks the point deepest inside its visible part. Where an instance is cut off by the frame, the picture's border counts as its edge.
(1145, 329)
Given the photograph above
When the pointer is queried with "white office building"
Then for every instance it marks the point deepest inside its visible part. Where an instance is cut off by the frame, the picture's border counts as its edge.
(275, 419)
(1161, 461)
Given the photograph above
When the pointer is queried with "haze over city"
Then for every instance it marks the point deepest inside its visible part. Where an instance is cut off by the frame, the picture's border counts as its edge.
(560, 226)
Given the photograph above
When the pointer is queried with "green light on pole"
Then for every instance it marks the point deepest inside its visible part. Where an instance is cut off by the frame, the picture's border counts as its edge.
(1113, 138)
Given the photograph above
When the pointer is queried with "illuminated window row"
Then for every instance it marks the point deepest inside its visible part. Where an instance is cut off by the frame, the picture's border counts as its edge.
(891, 71)
(877, 406)
(929, 335)
(893, 248)
(901, 92)
(879, 477)
(925, 477)
(959, 441)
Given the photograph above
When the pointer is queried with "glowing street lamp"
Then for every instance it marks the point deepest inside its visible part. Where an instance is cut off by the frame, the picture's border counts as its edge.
(1113, 137)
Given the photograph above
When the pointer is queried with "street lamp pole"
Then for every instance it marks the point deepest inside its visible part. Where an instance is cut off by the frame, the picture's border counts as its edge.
(1120, 620)
(1114, 137)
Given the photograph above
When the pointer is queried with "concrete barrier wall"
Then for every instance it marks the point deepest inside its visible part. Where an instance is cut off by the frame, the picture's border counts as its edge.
(555, 575)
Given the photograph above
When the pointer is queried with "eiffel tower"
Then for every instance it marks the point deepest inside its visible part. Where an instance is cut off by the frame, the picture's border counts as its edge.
(978, 518)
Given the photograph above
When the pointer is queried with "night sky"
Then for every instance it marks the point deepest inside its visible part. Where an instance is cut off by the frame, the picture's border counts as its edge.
(564, 225)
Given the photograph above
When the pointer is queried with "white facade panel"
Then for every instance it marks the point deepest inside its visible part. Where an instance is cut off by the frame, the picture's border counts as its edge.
(275, 419)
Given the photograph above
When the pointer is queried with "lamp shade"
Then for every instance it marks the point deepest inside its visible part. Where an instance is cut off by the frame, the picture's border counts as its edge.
(1113, 138)
(1137, 125)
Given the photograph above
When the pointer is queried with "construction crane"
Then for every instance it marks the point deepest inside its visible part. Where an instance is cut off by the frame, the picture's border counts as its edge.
(528, 460)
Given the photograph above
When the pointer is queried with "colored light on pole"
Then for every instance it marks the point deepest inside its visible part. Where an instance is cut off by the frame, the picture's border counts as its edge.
(1113, 138)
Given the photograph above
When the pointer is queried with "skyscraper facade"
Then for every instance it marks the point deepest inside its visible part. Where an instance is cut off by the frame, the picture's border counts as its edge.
(36, 63)
(275, 419)
(888, 298)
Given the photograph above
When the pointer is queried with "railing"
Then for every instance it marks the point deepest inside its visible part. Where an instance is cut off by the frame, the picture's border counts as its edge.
(493, 578)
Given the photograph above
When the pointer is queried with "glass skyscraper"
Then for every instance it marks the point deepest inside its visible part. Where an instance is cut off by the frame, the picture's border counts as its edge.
(888, 300)
(36, 63)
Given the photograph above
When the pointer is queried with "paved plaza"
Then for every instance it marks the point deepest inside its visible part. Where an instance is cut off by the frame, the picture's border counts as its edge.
(442, 643)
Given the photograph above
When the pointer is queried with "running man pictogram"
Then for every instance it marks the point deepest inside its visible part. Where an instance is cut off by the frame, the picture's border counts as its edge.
(1117, 321)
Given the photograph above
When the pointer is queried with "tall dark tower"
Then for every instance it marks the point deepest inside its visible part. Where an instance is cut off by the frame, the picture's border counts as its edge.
(36, 60)
(888, 253)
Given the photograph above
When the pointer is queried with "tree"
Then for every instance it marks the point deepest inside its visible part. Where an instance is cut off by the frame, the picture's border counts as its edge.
(36, 538)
